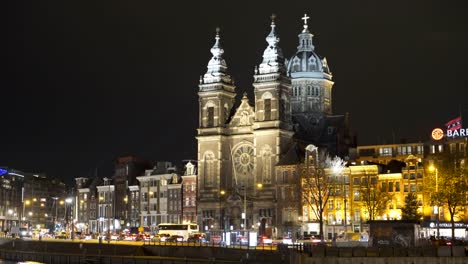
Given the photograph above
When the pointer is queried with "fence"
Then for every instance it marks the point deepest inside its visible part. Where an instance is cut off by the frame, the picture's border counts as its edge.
(57, 258)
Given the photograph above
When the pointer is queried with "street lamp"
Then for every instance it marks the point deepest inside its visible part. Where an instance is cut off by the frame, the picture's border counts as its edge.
(26, 202)
(436, 207)
(69, 202)
(333, 234)
(56, 208)
(221, 210)
(308, 150)
(244, 214)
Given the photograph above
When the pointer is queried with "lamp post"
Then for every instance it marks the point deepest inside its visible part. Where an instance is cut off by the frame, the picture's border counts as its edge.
(244, 214)
(345, 202)
(55, 216)
(436, 207)
(333, 234)
(69, 201)
(221, 211)
(23, 217)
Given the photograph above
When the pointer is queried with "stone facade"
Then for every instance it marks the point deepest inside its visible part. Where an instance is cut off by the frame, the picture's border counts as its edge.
(239, 148)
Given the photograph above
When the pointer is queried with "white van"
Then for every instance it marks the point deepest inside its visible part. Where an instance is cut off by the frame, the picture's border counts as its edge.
(21, 232)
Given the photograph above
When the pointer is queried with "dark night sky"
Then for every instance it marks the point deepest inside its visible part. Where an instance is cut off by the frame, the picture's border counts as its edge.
(86, 81)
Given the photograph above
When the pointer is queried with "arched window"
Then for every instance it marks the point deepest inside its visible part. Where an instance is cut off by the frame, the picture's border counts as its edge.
(266, 164)
(267, 106)
(309, 91)
(209, 169)
(210, 114)
(312, 64)
(267, 109)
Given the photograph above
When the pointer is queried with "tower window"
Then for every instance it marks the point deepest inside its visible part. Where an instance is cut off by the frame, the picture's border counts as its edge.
(267, 110)
(210, 117)
(309, 91)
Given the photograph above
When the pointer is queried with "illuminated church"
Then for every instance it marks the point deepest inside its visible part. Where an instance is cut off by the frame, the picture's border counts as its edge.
(240, 148)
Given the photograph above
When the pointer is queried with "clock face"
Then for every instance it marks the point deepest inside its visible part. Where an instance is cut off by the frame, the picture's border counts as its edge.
(243, 159)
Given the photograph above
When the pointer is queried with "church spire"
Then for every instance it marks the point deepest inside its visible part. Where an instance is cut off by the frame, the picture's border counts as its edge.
(305, 38)
(217, 68)
(272, 56)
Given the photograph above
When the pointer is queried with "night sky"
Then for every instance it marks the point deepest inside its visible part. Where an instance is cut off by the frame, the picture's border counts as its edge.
(84, 82)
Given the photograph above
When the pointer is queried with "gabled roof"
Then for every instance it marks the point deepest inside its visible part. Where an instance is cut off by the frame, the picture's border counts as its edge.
(244, 115)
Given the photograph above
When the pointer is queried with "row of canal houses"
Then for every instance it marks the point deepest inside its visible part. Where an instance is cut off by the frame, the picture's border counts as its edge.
(135, 196)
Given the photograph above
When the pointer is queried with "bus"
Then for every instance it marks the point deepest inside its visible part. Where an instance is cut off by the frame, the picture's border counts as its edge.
(184, 230)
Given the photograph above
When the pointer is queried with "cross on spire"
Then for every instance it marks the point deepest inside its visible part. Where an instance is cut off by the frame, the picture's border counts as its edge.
(305, 17)
(273, 16)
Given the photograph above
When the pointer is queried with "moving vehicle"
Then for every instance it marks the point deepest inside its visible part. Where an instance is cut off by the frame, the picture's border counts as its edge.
(264, 240)
(184, 230)
(197, 238)
(61, 235)
(175, 238)
(20, 232)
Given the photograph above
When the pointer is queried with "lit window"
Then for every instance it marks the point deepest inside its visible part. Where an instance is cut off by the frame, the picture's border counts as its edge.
(356, 195)
(440, 148)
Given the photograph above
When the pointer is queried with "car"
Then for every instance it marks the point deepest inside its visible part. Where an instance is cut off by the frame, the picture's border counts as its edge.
(264, 240)
(175, 238)
(20, 232)
(197, 238)
(243, 240)
(163, 237)
(127, 237)
(314, 240)
(155, 238)
(61, 235)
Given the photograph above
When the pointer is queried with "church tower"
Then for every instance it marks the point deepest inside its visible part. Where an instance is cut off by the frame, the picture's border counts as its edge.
(217, 92)
(273, 127)
(216, 98)
(311, 99)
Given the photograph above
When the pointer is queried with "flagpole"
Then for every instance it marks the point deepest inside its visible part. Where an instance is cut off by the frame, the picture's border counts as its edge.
(460, 112)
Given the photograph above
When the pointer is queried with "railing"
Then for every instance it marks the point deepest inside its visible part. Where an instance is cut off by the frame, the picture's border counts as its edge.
(222, 244)
(326, 250)
(51, 258)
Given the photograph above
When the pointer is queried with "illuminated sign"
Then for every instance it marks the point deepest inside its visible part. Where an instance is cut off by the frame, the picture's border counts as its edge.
(462, 132)
(437, 134)
(448, 225)
(3, 171)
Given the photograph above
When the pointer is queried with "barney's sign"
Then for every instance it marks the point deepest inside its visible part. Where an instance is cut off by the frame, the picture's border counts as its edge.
(453, 129)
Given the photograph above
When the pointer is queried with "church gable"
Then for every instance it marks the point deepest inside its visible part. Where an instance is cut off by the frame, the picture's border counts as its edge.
(245, 114)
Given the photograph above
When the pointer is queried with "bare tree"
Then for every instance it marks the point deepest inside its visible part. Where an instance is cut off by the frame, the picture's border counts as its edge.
(449, 187)
(318, 178)
(374, 200)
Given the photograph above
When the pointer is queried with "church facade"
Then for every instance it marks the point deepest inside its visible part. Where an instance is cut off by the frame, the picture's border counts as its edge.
(239, 149)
